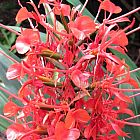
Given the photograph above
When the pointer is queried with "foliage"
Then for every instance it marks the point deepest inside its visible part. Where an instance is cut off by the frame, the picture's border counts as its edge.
(75, 82)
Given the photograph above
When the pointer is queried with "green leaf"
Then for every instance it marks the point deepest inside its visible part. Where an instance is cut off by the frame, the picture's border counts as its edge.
(3, 124)
(133, 130)
(3, 99)
(8, 37)
(11, 85)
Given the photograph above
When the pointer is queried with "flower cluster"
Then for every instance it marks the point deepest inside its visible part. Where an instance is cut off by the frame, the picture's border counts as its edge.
(72, 88)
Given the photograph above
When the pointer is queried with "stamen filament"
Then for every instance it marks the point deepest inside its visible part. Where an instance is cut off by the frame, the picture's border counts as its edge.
(11, 94)
(132, 31)
(10, 29)
(125, 15)
(84, 6)
(9, 120)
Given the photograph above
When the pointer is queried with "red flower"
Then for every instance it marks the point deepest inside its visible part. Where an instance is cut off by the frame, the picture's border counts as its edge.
(72, 85)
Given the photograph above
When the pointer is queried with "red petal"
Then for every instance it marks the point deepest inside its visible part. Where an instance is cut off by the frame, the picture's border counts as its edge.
(78, 34)
(14, 71)
(45, 1)
(23, 14)
(23, 93)
(133, 83)
(85, 24)
(81, 115)
(14, 131)
(113, 58)
(84, 58)
(121, 39)
(69, 121)
(126, 111)
(78, 97)
(107, 5)
(118, 48)
(10, 109)
(118, 130)
(79, 79)
(88, 131)
(72, 134)
(21, 46)
(82, 27)
(28, 38)
(61, 133)
(122, 96)
(59, 130)
(64, 9)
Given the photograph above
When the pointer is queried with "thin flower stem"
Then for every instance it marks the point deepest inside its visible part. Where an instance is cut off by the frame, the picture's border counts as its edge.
(125, 15)
(9, 29)
(9, 120)
(84, 6)
(132, 31)
(1, 52)
(10, 94)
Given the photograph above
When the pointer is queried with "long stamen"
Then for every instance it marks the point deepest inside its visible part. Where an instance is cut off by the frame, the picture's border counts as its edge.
(9, 120)
(1, 52)
(120, 75)
(10, 29)
(127, 123)
(125, 15)
(134, 117)
(132, 31)
(84, 6)
(134, 95)
(125, 90)
(11, 94)
(97, 15)
(20, 3)
(124, 122)
(26, 134)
